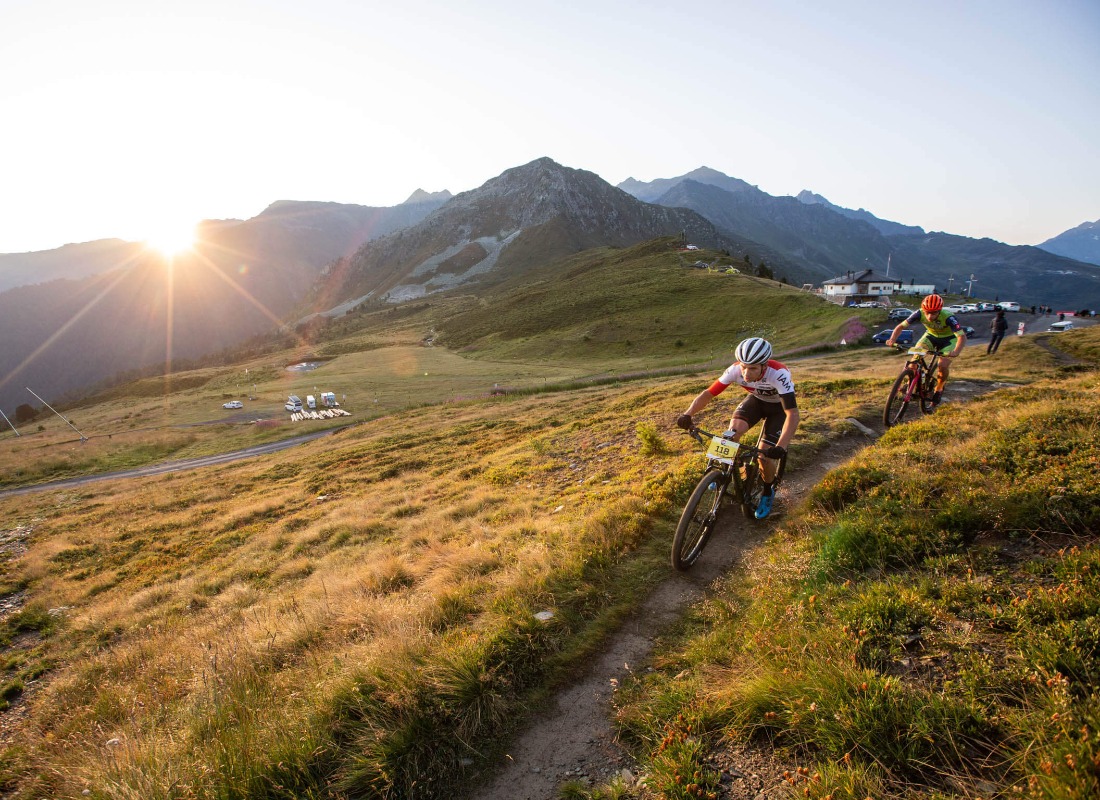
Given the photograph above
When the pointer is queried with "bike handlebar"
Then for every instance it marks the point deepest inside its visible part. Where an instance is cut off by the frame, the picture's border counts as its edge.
(698, 435)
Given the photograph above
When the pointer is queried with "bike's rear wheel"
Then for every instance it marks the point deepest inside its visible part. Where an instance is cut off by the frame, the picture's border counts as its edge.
(752, 486)
(698, 520)
(904, 388)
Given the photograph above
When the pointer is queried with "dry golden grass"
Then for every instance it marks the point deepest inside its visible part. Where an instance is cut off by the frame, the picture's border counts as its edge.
(208, 623)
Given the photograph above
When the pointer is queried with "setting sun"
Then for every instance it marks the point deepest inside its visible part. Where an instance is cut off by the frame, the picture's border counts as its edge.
(170, 241)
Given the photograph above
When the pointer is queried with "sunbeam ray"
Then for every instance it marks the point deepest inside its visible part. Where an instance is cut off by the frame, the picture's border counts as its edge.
(124, 271)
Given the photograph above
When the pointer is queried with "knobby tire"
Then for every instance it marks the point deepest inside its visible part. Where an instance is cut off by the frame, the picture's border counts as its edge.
(752, 486)
(698, 520)
(896, 404)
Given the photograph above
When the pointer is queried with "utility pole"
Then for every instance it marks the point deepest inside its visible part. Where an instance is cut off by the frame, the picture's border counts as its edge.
(83, 438)
(970, 285)
(5, 416)
(950, 281)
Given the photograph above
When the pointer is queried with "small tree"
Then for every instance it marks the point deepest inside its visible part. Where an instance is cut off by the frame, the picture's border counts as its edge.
(25, 413)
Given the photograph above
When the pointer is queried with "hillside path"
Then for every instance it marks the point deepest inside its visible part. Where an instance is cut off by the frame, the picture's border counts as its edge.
(574, 738)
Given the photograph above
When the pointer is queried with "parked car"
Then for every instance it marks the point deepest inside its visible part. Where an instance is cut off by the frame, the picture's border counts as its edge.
(986, 307)
(1060, 327)
(969, 308)
(953, 310)
(233, 404)
(904, 338)
(293, 403)
(899, 313)
(868, 304)
(1007, 305)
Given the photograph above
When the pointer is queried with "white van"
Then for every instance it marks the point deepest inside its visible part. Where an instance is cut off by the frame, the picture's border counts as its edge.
(311, 401)
(1060, 327)
(293, 403)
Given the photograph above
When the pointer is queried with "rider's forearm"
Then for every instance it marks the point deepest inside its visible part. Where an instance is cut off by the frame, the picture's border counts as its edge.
(790, 425)
(699, 403)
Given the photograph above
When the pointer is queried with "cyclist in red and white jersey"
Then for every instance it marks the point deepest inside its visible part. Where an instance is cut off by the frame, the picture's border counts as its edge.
(771, 398)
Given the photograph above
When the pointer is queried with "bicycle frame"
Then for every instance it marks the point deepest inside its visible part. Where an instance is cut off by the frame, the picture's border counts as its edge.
(746, 459)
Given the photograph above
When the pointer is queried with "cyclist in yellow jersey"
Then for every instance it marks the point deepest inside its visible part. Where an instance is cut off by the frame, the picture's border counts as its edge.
(940, 330)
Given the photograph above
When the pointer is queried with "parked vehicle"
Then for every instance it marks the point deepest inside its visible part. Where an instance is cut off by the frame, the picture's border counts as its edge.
(233, 404)
(899, 313)
(311, 401)
(1007, 305)
(328, 399)
(986, 307)
(293, 403)
(953, 310)
(1060, 327)
(905, 337)
(969, 308)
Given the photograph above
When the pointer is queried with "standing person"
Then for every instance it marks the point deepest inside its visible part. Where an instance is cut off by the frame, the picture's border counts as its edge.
(997, 328)
(771, 398)
(940, 330)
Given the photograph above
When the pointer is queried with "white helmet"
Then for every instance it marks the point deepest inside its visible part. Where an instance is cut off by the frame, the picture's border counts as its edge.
(754, 351)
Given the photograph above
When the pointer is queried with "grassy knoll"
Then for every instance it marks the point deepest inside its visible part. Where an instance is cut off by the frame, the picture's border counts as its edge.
(643, 306)
(928, 625)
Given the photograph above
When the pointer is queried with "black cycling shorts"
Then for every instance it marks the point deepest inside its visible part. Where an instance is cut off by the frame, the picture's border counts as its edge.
(753, 409)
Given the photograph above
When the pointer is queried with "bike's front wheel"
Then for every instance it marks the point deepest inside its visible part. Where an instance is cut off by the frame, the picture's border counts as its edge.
(900, 395)
(698, 520)
(927, 390)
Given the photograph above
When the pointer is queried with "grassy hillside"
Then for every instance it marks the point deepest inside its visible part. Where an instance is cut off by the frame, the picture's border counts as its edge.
(644, 304)
(604, 312)
(357, 616)
(927, 626)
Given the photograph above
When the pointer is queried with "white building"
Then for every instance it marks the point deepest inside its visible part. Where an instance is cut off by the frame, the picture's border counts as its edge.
(860, 287)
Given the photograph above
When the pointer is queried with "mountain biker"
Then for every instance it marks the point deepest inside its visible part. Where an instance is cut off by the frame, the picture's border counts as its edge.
(771, 398)
(941, 330)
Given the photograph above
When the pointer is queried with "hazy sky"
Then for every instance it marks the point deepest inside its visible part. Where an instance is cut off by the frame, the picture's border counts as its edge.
(126, 117)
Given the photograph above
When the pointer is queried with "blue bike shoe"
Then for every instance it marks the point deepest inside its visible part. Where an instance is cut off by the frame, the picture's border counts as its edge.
(764, 507)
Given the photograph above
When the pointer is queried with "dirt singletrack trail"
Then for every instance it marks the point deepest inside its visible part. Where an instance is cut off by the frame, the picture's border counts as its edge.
(574, 738)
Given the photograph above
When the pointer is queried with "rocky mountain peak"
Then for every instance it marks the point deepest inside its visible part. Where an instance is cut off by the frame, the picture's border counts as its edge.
(420, 196)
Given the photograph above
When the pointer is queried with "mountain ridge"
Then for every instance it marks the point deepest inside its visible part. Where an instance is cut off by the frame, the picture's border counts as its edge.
(1081, 243)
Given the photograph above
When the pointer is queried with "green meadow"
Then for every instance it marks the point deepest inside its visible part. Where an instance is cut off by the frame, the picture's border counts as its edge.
(356, 617)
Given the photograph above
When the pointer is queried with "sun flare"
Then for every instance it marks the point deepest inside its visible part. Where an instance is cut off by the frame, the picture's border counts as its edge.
(170, 241)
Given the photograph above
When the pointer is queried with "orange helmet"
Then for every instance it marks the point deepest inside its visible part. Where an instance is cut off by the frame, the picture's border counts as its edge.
(931, 304)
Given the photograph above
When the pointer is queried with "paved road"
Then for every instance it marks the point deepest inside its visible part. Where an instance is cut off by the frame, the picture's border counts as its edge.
(174, 466)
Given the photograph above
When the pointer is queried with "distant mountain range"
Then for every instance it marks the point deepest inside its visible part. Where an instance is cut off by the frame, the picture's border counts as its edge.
(1081, 243)
(103, 307)
(826, 240)
(109, 307)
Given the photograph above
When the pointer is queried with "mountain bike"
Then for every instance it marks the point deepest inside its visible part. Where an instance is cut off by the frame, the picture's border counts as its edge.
(732, 473)
(917, 381)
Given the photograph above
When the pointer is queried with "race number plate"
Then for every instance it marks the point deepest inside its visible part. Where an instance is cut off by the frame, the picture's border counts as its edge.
(722, 450)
